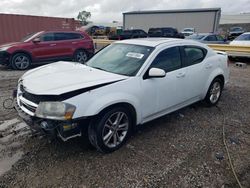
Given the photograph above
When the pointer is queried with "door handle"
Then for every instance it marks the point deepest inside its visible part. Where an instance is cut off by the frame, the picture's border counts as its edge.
(180, 75)
(52, 44)
(208, 66)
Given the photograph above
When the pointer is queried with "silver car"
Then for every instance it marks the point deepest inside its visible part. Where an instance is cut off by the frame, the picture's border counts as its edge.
(208, 38)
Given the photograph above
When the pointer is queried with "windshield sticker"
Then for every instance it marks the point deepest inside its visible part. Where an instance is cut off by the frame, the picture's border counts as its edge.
(135, 55)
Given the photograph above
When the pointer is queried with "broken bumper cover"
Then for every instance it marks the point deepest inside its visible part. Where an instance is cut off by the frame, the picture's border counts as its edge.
(63, 129)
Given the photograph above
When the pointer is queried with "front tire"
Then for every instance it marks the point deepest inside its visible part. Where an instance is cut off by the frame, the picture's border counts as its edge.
(20, 61)
(214, 92)
(110, 130)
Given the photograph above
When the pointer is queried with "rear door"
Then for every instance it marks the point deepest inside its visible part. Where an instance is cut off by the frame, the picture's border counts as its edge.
(197, 70)
(64, 44)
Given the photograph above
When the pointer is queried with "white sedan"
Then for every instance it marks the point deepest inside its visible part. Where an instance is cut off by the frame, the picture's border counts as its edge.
(128, 83)
(242, 40)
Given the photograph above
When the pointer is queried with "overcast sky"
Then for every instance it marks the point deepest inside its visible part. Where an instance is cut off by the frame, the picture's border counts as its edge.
(109, 10)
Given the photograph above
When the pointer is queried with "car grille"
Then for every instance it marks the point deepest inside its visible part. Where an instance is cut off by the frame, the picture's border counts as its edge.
(26, 101)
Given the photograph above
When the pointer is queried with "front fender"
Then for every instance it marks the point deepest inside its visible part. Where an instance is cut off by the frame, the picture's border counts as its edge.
(114, 98)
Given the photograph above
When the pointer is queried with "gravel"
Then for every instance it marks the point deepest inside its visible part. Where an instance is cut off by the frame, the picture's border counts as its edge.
(182, 149)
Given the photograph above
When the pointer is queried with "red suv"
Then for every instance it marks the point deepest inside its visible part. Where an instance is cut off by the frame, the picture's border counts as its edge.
(47, 46)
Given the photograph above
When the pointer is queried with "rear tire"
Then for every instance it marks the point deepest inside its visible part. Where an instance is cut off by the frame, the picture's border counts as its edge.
(20, 61)
(81, 56)
(214, 92)
(110, 130)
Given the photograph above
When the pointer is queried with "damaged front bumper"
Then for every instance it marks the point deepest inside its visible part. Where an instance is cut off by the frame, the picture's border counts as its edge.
(53, 128)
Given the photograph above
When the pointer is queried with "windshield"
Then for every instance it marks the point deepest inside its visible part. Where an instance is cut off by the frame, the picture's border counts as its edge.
(243, 37)
(196, 37)
(29, 36)
(124, 59)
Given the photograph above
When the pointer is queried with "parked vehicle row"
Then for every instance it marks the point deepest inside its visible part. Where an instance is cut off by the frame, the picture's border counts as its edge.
(126, 84)
(46, 46)
(167, 32)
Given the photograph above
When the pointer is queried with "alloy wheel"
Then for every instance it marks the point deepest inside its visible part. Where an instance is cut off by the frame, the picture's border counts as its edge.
(215, 92)
(22, 62)
(115, 129)
(81, 57)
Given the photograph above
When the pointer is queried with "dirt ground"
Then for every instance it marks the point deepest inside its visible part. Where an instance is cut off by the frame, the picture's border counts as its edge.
(183, 149)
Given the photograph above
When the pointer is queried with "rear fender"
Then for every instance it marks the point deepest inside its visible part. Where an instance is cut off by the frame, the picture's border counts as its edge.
(218, 71)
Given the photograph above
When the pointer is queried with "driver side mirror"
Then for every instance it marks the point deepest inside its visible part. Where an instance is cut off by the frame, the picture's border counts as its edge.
(156, 73)
(37, 40)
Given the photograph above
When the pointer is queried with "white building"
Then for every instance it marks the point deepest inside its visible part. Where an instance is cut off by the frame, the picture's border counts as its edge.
(203, 20)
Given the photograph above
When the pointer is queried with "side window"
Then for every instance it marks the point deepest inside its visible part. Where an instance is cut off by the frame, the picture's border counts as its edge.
(67, 36)
(47, 37)
(210, 38)
(73, 36)
(193, 55)
(60, 36)
(168, 60)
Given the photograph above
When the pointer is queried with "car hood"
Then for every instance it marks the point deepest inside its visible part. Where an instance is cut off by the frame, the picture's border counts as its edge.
(63, 77)
(10, 44)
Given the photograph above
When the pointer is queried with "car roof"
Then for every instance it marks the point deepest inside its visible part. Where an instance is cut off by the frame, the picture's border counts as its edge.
(206, 34)
(61, 31)
(152, 42)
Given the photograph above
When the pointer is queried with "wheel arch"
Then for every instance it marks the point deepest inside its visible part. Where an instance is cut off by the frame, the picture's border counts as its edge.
(81, 48)
(218, 73)
(222, 78)
(24, 52)
(126, 105)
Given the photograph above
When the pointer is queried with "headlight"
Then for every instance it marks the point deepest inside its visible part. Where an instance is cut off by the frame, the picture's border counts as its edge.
(55, 110)
(4, 48)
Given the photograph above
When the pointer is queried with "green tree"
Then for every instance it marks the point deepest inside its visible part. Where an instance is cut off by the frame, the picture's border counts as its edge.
(83, 16)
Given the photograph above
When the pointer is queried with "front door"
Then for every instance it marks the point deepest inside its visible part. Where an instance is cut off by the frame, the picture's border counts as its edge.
(170, 90)
(45, 49)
